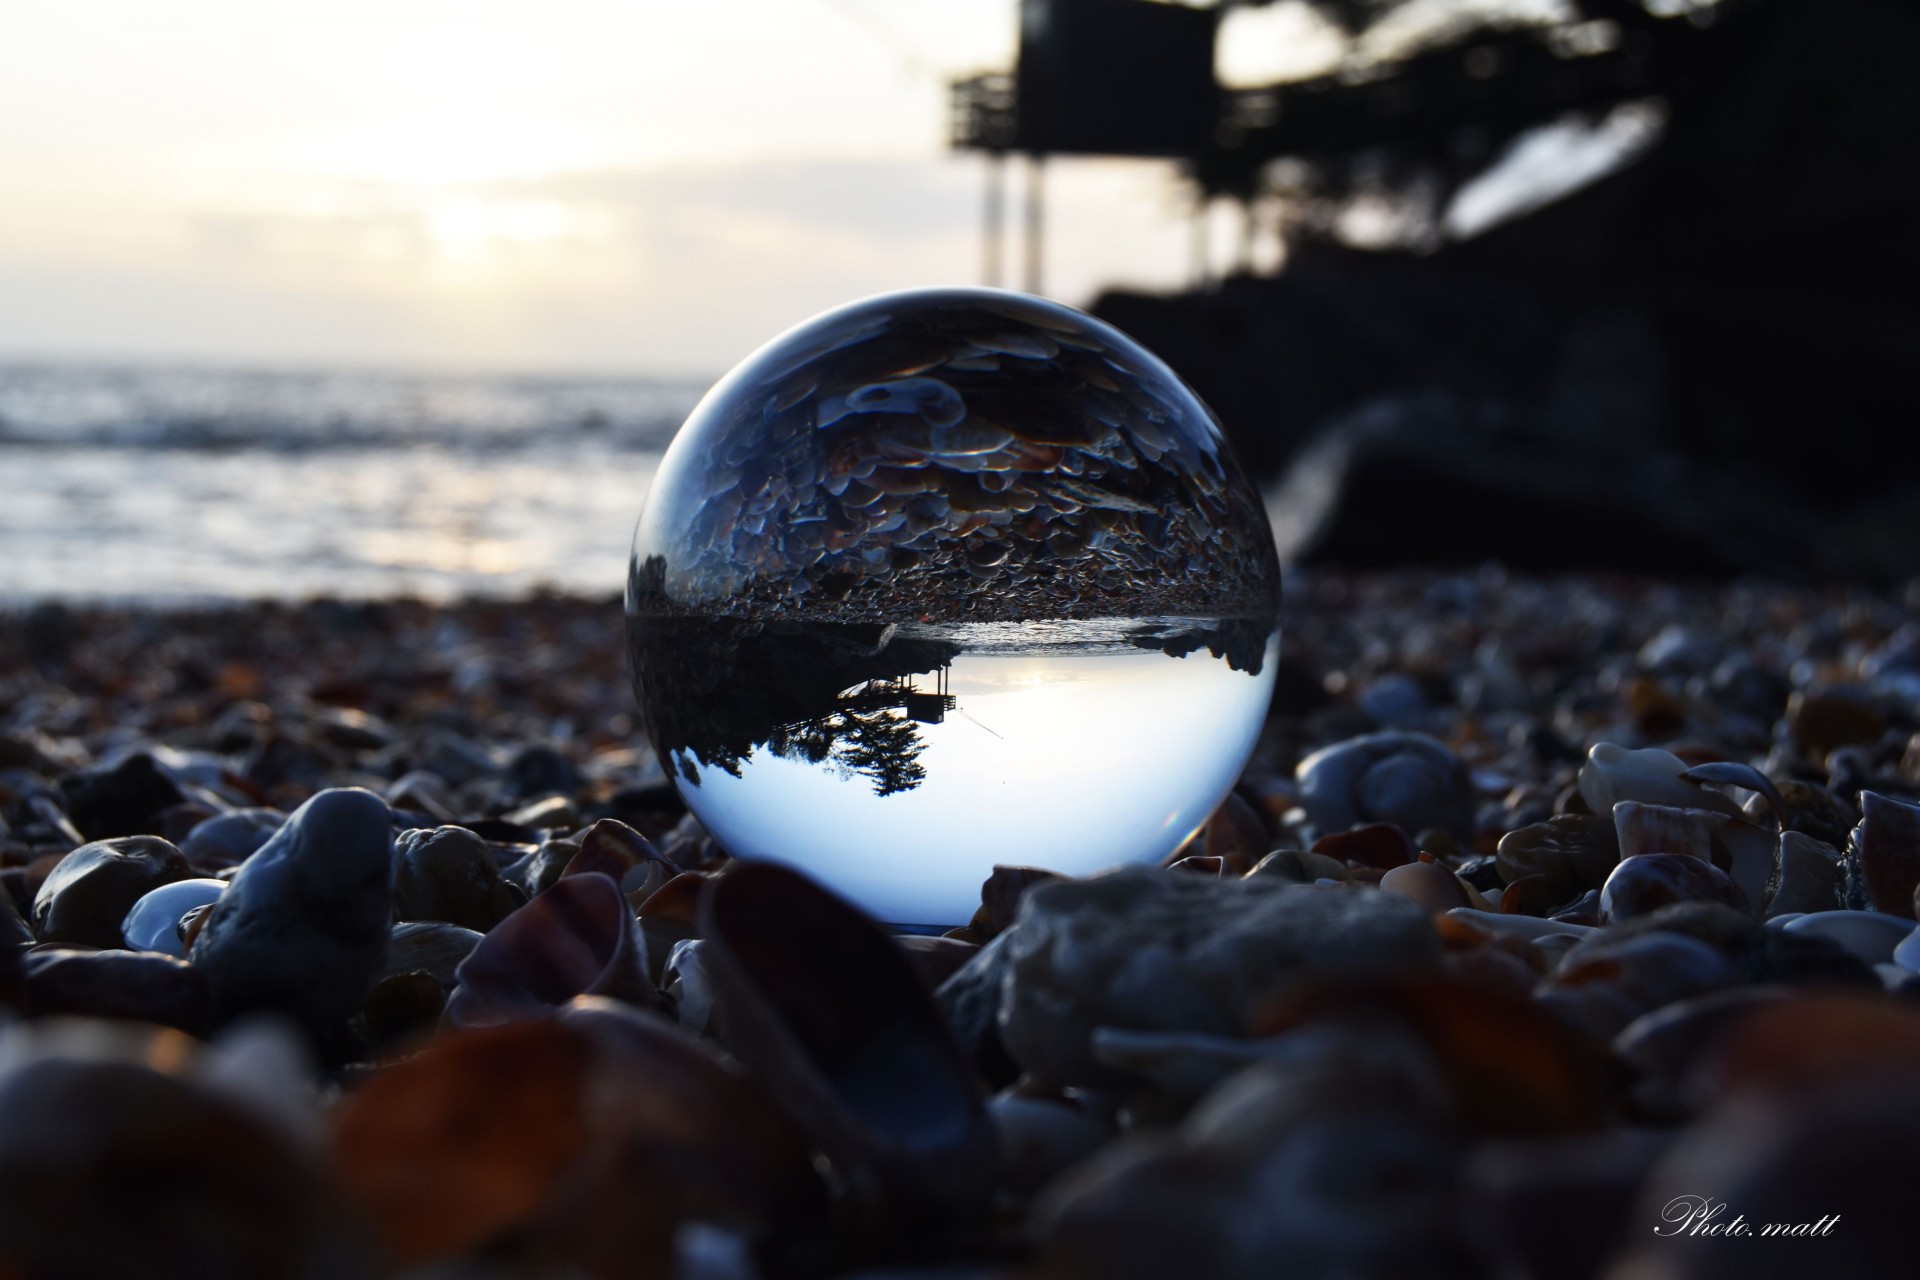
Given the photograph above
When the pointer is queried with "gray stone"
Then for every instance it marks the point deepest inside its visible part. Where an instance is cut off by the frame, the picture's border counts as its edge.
(1144, 950)
(303, 927)
(1409, 779)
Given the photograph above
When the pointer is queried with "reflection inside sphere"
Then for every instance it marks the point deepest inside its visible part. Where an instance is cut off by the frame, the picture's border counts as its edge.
(946, 579)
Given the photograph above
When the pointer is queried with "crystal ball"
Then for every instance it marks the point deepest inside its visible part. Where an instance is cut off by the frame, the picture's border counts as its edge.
(950, 578)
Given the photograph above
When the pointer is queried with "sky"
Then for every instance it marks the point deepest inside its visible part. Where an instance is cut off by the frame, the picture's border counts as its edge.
(609, 185)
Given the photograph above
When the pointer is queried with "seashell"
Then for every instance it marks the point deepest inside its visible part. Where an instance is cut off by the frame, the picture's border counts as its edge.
(112, 1168)
(1642, 885)
(153, 921)
(133, 985)
(229, 839)
(617, 851)
(540, 870)
(1871, 935)
(1745, 776)
(1427, 883)
(1040, 1138)
(1609, 981)
(84, 899)
(1200, 866)
(1752, 851)
(1138, 950)
(449, 874)
(1884, 853)
(822, 1007)
(1574, 852)
(455, 1145)
(1653, 828)
(577, 938)
(302, 928)
(1612, 773)
(1806, 876)
(1409, 779)
(429, 947)
(1519, 926)
(1811, 809)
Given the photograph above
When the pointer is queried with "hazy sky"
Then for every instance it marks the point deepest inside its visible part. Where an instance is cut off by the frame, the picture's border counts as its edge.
(607, 184)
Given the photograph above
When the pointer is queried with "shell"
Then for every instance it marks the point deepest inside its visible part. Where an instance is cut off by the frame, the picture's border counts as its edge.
(1653, 828)
(429, 946)
(1575, 852)
(1885, 848)
(1613, 773)
(1642, 885)
(577, 938)
(1806, 875)
(826, 1012)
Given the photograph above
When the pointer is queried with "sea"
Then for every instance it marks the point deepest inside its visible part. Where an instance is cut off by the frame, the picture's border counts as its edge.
(185, 484)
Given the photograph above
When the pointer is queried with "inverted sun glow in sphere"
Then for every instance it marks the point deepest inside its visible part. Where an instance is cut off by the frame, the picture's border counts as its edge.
(950, 578)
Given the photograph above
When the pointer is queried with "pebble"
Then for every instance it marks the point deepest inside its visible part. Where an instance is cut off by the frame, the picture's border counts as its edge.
(303, 926)
(1409, 779)
(1141, 950)
(1872, 935)
(153, 922)
(84, 899)
(230, 838)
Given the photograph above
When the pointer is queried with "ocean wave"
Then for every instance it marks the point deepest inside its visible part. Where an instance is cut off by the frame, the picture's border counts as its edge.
(226, 410)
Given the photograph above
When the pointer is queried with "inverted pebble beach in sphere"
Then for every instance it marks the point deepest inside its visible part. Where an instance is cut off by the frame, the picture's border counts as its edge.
(922, 566)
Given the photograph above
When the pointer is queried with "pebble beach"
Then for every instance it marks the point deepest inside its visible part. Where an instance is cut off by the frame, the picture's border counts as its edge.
(1559, 927)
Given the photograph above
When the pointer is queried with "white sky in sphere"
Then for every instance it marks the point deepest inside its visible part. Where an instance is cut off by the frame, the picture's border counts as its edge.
(583, 184)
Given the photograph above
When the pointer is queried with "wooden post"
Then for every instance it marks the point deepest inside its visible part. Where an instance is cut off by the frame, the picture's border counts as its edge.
(994, 219)
(1036, 172)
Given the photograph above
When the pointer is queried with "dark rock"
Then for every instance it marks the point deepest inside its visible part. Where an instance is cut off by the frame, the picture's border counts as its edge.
(120, 801)
(230, 838)
(539, 770)
(85, 899)
(302, 928)
(137, 985)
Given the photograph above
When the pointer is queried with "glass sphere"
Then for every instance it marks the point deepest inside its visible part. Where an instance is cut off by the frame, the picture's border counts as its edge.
(950, 578)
